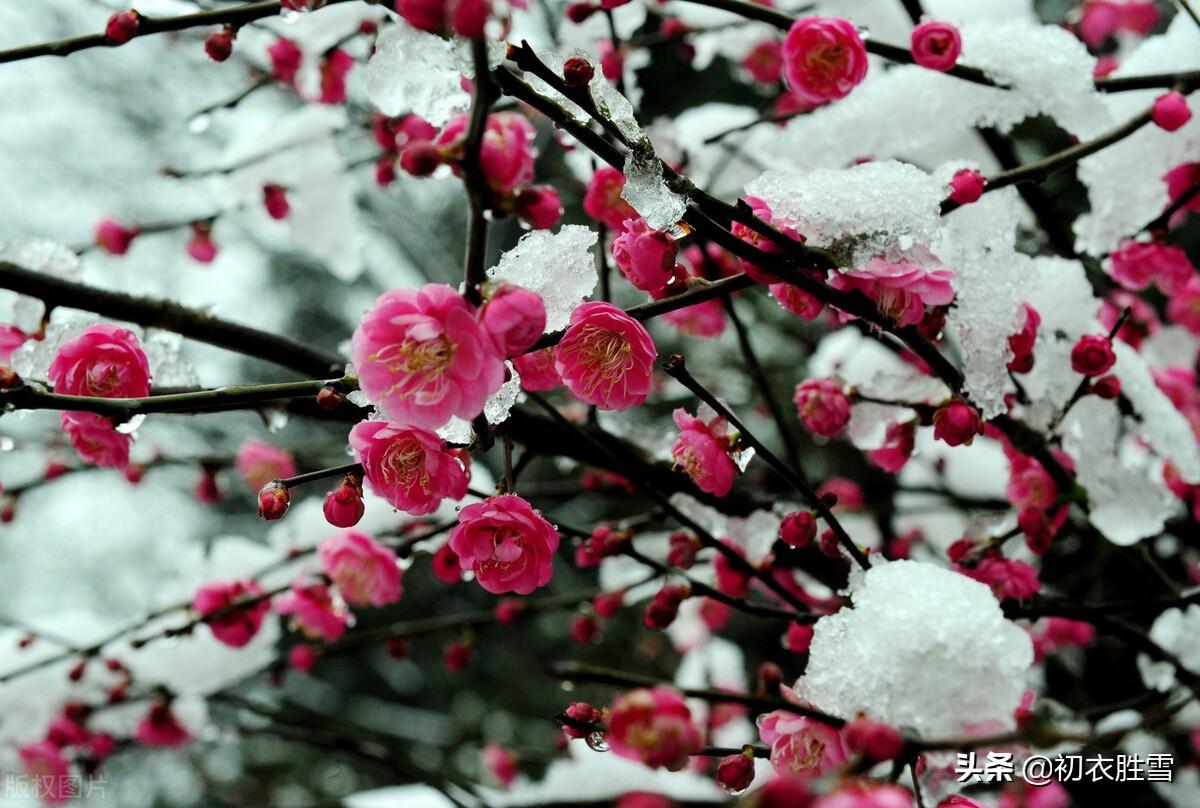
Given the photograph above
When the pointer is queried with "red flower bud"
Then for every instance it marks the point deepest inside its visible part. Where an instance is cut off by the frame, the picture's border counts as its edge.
(608, 604)
(445, 565)
(583, 713)
(770, 677)
(1108, 387)
(219, 46)
(1093, 355)
(275, 201)
(328, 399)
(966, 187)
(508, 610)
(420, 159)
(122, 27)
(664, 607)
(957, 423)
(798, 528)
(735, 773)
(344, 504)
(577, 72)
(456, 656)
(584, 629)
(578, 12)
(273, 500)
(873, 740)
(682, 551)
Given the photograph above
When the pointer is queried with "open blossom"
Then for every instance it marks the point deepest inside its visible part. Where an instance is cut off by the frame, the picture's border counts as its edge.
(1103, 18)
(799, 745)
(506, 153)
(654, 726)
(537, 370)
(105, 360)
(159, 727)
(95, 439)
(539, 206)
(702, 450)
(364, 571)
(1009, 579)
(259, 463)
(1135, 265)
(823, 59)
(956, 423)
(1029, 484)
(822, 406)
(314, 611)
(514, 318)
(796, 300)
(411, 468)
(422, 357)
(233, 626)
(897, 448)
(603, 202)
(606, 357)
(1093, 355)
(936, 45)
(47, 769)
(506, 543)
(748, 234)
(647, 257)
(901, 290)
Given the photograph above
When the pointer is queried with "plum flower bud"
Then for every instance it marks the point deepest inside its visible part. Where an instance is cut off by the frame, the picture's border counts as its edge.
(446, 567)
(823, 59)
(681, 552)
(344, 504)
(1107, 387)
(798, 638)
(302, 658)
(584, 629)
(735, 773)
(603, 201)
(514, 318)
(646, 257)
(1023, 341)
(936, 45)
(822, 406)
(579, 713)
(232, 624)
(608, 604)
(286, 57)
(957, 423)
(114, 238)
(578, 12)
(219, 45)
(606, 357)
(539, 206)
(333, 70)
(122, 27)
(501, 764)
(654, 726)
(966, 186)
(663, 608)
(457, 655)
(577, 72)
(273, 500)
(1093, 355)
(420, 159)
(275, 201)
(1170, 111)
(798, 528)
(873, 740)
(201, 247)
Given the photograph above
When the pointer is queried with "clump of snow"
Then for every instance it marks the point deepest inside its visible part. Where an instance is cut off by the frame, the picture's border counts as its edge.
(415, 71)
(648, 193)
(495, 409)
(990, 278)
(1162, 425)
(38, 255)
(1124, 181)
(1175, 631)
(558, 266)
(879, 208)
(1129, 501)
(923, 648)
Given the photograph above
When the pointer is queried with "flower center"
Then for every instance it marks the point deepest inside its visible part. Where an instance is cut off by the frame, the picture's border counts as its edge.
(404, 464)
(606, 354)
(420, 362)
(103, 380)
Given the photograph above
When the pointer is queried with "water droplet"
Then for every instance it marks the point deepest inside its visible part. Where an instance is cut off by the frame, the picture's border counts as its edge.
(200, 124)
(276, 419)
(596, 742)
(7, 444)
(290, 16)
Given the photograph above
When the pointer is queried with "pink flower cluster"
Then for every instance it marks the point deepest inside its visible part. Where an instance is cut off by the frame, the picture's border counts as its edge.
(105, 361)
(1104, 18)
(234, 611)
(1135, 265)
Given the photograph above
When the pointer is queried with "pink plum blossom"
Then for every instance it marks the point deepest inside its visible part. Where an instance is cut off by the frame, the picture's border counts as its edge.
(901, 290)
(823, 59)
(822, 406)
(364, 571)
(411, 468)
(159, 727)
(800, 745)
(259, 463)
(603, 201)
(606, 357)
(654, 726)
(506, 154)
(506, 543)
(314, 611)
(234, 625)
(936, 45)
(647, 257)
(537, 370)
(702, 450)
(514, 318)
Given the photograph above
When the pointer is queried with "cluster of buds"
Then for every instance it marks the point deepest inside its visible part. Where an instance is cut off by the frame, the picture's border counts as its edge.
(663, 608)
(605, 541)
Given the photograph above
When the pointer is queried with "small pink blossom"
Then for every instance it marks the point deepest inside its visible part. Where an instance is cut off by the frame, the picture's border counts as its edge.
(702, 451)
(1022, 342)
(823, 59)
(233, 625)
(364, 571)
(47, 770)
(936, 45)
(114, 237)
(314, 611)
(647, 257)
(159, 727)
(1008, 578)
(956, 423)
(1184, 308)
(537, 370)
(411, 468)
(422, 357)
(801, 746)
(96, 440)
(302, 658)
(105, 361)
(1170, 111)
(506, 154)
(1093, 355)
(901, 290)
(501, 764)
(344, 505)
(654, 726)
(506, 543)
(764, 62)
(286, 57)
(259, 463)
(796, 300)
(822, 406)
(1136, 264)
(606, 357)
(335, 66)
(514, 318)
(1103, 18)
(603, 201)
(539, 206)
(897, 448)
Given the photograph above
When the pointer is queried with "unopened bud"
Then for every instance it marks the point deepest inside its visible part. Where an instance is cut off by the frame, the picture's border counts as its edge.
(273, 500)
(577, 72)
(122, 27)
(219, 46)
(735, 773)
(328, 399)
(344, 504)
(420, 159)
